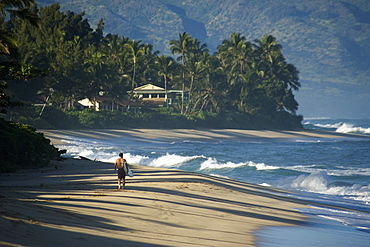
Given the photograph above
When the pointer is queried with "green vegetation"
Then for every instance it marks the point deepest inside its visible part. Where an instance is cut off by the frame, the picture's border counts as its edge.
(155, 118)
(55, 59)
(327, 39)
(242, 77)
(18, 147)
(22, 147)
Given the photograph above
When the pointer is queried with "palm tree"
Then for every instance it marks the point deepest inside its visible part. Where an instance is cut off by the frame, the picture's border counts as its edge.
(197, 48)
(148, 70)
(195, 66)
(112, 47)
(165, 66)
(278, 77)
(20, 9)
(134, 52)
(182, 46)
(236, 55)
(211, 94)
(266, 48)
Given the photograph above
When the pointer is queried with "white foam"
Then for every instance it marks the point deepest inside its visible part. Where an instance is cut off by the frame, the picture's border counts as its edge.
(340, 171)
(341, 127)
(350, 128)
(316, 118)
(349, 171)
(330, 126)
(265, 184)
(318, 182)
(170, 160)
(304, 168)
(212, 163)
(219, 176)
(315, 182)
(262, 166)
(350, 218)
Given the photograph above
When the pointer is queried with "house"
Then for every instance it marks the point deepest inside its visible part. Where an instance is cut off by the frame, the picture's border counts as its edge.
(144, 95)
(105, 103)
(154, 95)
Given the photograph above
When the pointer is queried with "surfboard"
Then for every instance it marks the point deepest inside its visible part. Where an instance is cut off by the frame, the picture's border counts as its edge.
(130, 173)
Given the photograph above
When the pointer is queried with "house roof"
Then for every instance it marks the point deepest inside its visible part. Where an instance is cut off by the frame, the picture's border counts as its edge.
(149, 87)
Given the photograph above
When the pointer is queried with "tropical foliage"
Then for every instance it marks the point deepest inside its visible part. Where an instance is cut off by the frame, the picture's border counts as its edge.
(327, 39)
(242, 76)
(18, 149)
(10, 68)
(17, 141)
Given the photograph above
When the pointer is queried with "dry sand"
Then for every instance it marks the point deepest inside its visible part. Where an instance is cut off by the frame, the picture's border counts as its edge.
(191, 134)
(76, 202)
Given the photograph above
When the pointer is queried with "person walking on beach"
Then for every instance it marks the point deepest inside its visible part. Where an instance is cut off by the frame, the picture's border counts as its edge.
(122, 166)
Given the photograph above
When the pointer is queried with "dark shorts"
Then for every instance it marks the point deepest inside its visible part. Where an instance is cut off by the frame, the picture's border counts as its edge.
(121, 173)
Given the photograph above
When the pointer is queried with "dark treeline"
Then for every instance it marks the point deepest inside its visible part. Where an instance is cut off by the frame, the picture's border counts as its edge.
(241, 76)
(20, 145)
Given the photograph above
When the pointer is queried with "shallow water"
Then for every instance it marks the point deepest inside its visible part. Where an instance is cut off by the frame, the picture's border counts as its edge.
(318, 232)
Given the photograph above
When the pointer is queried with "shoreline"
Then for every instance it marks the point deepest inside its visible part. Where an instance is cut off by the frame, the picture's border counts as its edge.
(56, 136)
(76, 202)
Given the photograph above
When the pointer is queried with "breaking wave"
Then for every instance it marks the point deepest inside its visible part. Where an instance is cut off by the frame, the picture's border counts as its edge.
(321, 183)
(340, 127)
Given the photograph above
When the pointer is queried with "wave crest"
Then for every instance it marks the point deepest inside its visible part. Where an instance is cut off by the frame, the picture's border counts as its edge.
(350, 128)
(339, 127)
(262, 166)
(170, 160)
(320, 183)
(212, 163)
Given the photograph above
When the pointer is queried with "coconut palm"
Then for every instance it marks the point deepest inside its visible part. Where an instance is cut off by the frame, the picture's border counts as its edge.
(166, 67)
(182, 46)
(279, 77)
(20, 9)
(134, 52)
(147, 64)
(195, 66)
(235, 54)
(211, 92)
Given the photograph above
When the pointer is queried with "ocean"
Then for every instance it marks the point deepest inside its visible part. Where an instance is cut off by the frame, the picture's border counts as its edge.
(334, 171)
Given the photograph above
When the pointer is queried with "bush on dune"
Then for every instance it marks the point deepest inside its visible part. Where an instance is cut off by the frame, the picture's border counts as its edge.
(22, 147)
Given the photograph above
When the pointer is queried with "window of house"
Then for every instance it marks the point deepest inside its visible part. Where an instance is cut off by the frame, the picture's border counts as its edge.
(161, 95)
(154, 95)
(145, 95)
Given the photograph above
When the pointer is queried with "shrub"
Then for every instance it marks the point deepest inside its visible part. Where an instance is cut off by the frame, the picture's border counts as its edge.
(22, 147)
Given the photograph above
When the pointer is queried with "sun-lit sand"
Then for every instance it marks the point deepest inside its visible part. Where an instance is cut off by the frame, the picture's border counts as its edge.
(192, 134)
(76, 202)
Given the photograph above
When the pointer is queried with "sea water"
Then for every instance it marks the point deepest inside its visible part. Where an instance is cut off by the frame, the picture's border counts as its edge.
(335, 171)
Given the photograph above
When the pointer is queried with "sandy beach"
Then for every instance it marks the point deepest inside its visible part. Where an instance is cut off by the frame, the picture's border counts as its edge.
(75, 202)
(56, 136)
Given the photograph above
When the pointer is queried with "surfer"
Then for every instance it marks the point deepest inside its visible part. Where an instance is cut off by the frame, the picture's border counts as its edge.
(121, 164)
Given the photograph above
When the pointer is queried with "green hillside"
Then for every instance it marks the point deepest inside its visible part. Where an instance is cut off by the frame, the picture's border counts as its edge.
(327, 40)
